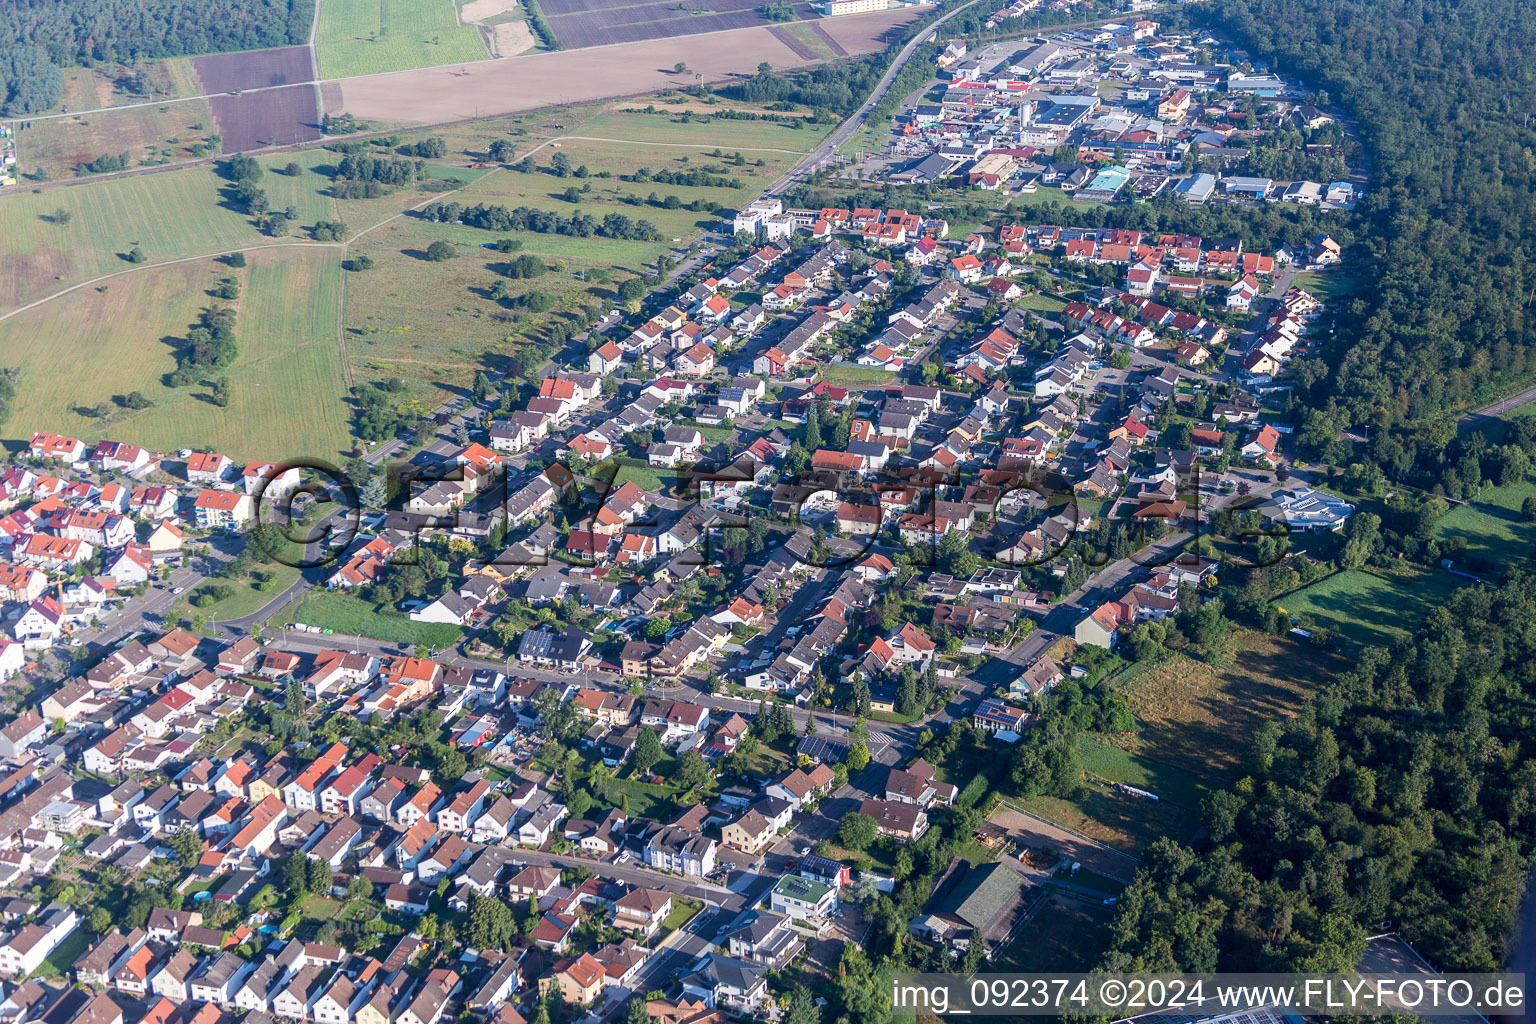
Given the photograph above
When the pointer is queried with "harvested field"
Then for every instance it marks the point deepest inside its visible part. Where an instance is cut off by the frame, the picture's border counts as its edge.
(481, 11)
(836, 47)
(864, 33)
(511, 38)
(254, 69)
(272, 117)
(532, 81)
(149, 135)
(582, 23)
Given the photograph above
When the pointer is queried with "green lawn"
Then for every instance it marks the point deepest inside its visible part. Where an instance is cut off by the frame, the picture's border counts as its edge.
(354, 616)
(1127, 823)
(247, 597)
(365, 37)
(61, 961)
(644, 799)
(1116, 765)
(1494, 544)
(850, 375)
(683, 911)
(1337, 282)
(1371, 607)
(1508, 498)
(1042, 303)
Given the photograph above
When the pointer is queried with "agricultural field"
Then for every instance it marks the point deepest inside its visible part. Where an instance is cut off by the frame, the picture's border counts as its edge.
(272, 117)
(810, 44)
(540, 80)
(1374, 608)
(148, 135)
(583, 23)
(288, 393)
(51, 240)
(365, 37)
(505, 25)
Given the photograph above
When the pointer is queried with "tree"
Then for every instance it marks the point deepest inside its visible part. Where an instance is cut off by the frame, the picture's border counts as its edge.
(441, 251)
(187, 846)
(360, 262)
(680, 67)
(955, 556)
(295, 875)
(692, 770)
(320, 878)
(857, 831)
(491, 924)
(646, 753)
(235, 259)
(136, 255)
(858, 757)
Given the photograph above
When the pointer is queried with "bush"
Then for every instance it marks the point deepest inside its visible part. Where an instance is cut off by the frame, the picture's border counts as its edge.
(440, 251)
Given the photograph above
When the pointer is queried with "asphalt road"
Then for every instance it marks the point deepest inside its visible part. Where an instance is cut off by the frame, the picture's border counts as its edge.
(845, 131)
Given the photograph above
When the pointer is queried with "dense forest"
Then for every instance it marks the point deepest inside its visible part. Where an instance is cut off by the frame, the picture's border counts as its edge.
(1402, 798)
(42, 36)
(1443, 96)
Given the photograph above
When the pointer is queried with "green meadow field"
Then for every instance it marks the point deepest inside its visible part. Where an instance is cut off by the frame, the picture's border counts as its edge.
(168, 215)
(365, 37)
(288, 392)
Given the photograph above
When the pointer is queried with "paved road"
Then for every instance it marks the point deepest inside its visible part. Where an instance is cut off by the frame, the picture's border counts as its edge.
(848, 128)
(1499, 408)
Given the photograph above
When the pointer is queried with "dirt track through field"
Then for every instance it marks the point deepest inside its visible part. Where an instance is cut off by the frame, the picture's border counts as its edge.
(515, 84)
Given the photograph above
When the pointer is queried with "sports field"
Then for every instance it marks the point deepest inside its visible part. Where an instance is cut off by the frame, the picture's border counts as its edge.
(365, 37)
(288, 394)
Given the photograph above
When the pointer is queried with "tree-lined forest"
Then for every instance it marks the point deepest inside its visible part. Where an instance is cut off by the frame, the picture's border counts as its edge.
(1444, 98)
(40, 37)
(1404, 797)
